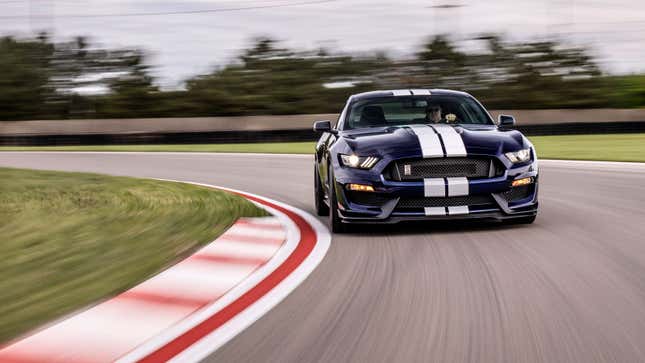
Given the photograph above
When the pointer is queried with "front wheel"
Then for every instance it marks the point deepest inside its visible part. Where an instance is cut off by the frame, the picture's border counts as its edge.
(319, 195)
(335, 222)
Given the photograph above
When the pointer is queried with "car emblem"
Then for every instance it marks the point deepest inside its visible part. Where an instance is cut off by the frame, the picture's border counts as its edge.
(407, 169)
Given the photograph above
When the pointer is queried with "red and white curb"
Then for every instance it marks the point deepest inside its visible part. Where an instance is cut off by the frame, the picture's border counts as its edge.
(191, 309)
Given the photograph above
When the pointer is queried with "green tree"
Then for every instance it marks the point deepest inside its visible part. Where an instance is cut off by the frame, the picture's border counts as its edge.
(132, 92)
(42, 79)
(270, 79)
(24, 77)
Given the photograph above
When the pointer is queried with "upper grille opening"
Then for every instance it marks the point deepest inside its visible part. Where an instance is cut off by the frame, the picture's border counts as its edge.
(417, 169)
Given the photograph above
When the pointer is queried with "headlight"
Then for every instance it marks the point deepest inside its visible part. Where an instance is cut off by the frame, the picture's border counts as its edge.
(519, 156)
(362, 162)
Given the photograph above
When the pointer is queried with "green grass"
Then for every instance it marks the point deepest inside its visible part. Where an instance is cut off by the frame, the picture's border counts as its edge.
(612, 147)
(70, 239)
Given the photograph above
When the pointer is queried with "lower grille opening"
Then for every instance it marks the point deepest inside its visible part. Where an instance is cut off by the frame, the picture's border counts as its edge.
(469, 200)
(518, 193)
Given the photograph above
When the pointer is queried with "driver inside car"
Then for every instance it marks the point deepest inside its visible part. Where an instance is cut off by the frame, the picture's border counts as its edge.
(433, 113)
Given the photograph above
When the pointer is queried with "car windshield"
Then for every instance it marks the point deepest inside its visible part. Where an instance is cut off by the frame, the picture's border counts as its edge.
(397, 110)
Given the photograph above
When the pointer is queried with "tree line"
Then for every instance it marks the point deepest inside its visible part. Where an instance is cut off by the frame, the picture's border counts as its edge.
(43, 79)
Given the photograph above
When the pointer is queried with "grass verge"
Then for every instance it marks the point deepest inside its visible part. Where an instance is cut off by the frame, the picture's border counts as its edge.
(70, 239)
(611, 147)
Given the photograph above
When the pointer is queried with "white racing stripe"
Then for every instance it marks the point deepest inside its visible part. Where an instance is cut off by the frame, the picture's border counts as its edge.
(457, 186)
(435, 211)
(433, 137)
(452, 141)
(428, 140)
(441, 211)
(462, 209)
(402, 92)
(434, 187)
(440, 187)
(420, 92)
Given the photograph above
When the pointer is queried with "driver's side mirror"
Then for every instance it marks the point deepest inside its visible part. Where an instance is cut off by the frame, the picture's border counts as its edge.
(506, 120)
(323, 126)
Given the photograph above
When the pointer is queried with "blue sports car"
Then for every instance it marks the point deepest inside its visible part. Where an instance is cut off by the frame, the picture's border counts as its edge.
(422, 154)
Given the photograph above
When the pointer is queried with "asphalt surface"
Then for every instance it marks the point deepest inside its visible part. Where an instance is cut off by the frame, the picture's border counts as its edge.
(569, 288)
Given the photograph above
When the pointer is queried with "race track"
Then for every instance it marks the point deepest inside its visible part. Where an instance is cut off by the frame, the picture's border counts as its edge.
(569, 288)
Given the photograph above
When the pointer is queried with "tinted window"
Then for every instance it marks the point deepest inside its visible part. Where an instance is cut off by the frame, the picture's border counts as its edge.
(392, 111)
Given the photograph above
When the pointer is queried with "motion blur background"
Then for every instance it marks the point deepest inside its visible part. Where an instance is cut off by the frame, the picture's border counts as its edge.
(210, 75)
(72, 59)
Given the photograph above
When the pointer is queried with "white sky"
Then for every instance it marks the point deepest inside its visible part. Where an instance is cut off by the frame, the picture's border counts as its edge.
(183, 45)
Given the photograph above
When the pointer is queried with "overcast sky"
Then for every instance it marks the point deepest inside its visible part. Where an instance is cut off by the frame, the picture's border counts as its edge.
(204, 33)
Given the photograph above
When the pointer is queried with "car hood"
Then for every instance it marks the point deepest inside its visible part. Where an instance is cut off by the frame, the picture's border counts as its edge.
(402, 141)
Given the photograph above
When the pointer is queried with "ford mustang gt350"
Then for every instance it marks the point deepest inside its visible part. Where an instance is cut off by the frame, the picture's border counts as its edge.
(422, 154)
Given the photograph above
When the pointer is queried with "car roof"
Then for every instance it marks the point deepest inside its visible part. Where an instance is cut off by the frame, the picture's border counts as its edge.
(405, 92)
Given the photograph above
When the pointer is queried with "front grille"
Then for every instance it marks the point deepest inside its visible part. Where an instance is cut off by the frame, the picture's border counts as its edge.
(469, 200)
(518, 193)
(405, 170)
(366, 198)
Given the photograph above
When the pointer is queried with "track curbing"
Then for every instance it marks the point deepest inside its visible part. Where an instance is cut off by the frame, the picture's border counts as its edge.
(198, 332)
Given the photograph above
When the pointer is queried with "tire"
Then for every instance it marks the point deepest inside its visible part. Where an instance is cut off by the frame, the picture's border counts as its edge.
(319, 195)
(335, 223)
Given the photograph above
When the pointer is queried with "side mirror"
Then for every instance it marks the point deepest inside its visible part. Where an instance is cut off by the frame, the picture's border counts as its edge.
(323, 126)
(506, 120)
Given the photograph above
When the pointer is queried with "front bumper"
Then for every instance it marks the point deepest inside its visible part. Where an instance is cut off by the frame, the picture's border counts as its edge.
(396, 201)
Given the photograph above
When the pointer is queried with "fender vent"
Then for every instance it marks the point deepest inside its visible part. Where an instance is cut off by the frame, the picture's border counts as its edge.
(367, 198)
(518, 193)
